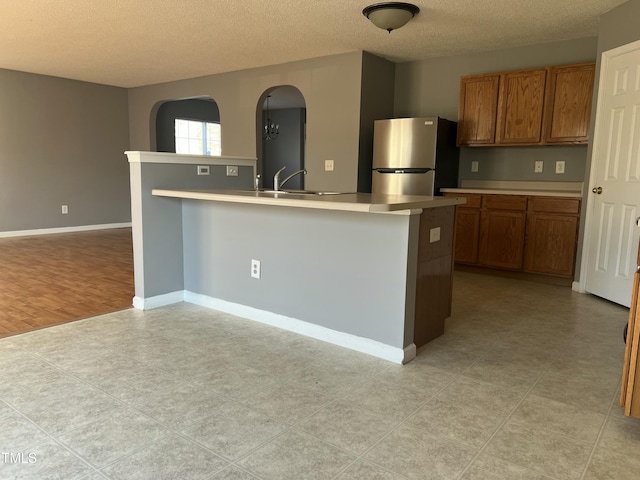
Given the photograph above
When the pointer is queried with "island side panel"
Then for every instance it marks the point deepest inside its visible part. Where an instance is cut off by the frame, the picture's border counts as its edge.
(435, 273)
(345, 271)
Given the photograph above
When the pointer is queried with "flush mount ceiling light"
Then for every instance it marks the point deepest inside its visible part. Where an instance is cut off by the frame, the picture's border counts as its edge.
(390, 15)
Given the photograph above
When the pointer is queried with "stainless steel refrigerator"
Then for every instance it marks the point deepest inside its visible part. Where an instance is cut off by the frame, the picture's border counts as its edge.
(414, 156)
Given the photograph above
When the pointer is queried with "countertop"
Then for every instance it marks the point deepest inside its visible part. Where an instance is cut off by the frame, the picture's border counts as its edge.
(353, 202)
(506, 187)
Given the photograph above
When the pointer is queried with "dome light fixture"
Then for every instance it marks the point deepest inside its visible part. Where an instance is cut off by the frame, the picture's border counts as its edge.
(390, 15)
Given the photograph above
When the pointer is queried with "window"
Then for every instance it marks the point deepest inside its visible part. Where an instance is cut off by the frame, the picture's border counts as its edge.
(197, 138)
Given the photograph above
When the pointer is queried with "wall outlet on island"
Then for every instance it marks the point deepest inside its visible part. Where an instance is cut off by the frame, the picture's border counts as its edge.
(255, 268)
(65, 209)
(328, 165)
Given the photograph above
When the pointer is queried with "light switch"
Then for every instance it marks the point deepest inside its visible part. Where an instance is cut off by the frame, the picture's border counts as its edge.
(203, 169)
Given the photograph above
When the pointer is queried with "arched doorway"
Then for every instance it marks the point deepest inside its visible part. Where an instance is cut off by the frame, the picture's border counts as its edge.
(286, 148)
(190, 125)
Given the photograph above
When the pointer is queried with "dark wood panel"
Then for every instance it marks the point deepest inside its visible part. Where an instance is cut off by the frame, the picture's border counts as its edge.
(434, 274)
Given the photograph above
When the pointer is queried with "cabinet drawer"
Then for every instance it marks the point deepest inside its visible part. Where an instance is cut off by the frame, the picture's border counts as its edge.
(554, 205)
(505, 202)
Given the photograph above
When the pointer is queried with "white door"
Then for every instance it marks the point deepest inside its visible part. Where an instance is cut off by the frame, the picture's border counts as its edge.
(611, 234)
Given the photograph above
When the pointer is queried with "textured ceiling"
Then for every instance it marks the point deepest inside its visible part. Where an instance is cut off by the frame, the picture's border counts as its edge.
(131, 43)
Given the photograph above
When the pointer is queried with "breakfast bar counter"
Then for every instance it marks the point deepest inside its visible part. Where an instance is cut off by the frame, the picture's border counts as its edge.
(351, 202)
(367, 272)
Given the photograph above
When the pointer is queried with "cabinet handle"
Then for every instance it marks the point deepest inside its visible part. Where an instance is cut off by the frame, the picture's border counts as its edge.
(597, 190)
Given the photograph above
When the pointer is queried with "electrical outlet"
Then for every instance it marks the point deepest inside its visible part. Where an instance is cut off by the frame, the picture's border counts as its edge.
(232, 171)
(328, 165)
(538, 166)
(65, 209)
(560, 166)
(255, 268)
(434, 235)
(474, 166)
(203, 169)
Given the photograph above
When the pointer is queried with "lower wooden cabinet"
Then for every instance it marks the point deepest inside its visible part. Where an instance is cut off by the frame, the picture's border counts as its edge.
(502, 239)
(533, 234)
(467, 235)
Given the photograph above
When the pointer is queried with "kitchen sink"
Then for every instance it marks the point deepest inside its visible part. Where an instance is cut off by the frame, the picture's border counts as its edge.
(296, 192)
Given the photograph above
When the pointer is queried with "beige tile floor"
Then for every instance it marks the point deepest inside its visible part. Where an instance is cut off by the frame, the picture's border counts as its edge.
(522, 386)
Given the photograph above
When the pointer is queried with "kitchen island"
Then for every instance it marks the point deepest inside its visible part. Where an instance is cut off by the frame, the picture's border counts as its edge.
(367, 272)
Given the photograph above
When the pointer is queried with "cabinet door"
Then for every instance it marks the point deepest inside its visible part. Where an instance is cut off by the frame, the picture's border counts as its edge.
(551, 244)
(520, 106)
(477, 109)
(568, 103)
(502, 239)
(467, 235)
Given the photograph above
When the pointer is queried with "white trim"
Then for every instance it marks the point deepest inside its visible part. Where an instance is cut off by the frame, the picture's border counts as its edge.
(353, 342)
(47, 231)
(158, 301)
(184, 159)
(577, 287)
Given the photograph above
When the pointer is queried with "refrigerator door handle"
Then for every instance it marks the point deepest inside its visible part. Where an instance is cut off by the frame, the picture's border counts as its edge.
(404, 170)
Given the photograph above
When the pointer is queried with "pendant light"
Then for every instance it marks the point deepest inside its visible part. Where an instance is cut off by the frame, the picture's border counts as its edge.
(271, 130)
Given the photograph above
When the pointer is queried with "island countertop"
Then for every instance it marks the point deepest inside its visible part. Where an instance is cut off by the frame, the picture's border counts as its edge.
(354, 202)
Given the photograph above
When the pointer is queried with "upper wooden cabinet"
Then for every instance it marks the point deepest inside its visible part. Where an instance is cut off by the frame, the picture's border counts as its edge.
(520, 106)
(478, 107)
(526, 107)
(568, 103)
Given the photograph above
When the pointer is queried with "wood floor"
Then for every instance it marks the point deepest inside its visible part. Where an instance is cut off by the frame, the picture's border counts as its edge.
(51, 279)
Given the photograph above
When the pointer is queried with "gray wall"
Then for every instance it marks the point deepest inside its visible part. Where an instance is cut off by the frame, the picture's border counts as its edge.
(331, 89)
(287, 150)
(61, 142)
(432, 86)
(378, 78)
(322, 267)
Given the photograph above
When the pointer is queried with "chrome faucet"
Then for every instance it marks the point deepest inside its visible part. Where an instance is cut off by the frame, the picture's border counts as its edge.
(277, 184)
(257, 182)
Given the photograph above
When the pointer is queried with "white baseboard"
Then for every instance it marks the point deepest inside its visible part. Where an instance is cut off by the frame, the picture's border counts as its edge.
(47, 231)
(575, 286)
(158, 301)
(353, 342)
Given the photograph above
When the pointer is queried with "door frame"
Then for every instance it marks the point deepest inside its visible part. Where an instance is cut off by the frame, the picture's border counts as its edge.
(586, 200)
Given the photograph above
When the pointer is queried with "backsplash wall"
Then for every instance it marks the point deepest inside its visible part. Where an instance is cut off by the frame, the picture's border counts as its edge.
(517, 163)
